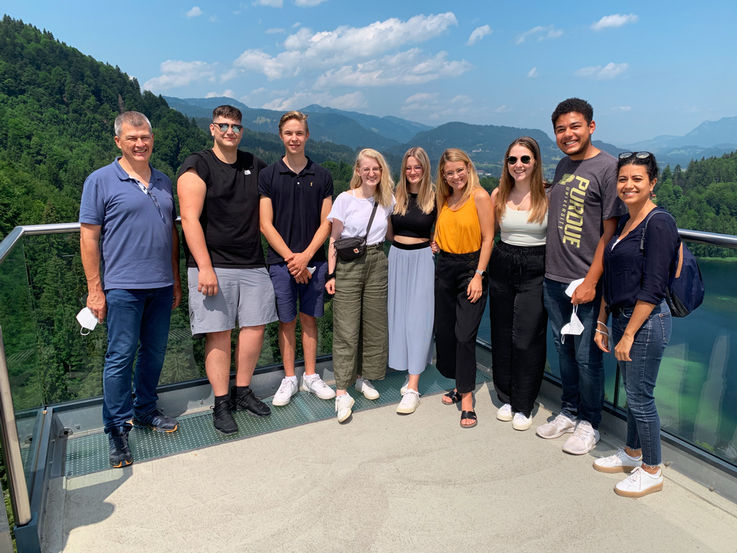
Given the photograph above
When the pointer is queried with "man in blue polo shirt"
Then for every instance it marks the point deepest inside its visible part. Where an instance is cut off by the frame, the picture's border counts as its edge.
(296, 197)
(126, 216)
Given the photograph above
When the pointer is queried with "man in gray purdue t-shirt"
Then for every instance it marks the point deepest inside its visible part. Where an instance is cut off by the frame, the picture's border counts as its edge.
(582, 217)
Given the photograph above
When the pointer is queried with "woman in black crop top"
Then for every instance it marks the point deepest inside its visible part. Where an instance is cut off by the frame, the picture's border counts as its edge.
(411, 275)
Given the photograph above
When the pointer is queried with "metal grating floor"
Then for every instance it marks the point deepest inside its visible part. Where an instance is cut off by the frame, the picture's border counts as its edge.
(89, 453)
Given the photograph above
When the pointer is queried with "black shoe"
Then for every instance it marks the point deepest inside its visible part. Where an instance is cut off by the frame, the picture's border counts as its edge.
(244, 399)
(120, 453)
(222, 418)
(156, 420)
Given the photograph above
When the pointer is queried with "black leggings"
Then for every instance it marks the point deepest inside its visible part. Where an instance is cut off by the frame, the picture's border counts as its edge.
(518, 323)
(457, 319)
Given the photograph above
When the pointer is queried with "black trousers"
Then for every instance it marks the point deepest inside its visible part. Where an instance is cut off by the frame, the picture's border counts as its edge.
(457, 319)
(518, 323)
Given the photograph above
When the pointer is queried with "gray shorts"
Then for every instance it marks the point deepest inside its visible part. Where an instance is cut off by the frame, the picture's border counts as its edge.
(244, 295)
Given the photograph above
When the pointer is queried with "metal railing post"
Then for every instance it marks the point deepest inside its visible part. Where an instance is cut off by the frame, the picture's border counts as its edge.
(11, 446)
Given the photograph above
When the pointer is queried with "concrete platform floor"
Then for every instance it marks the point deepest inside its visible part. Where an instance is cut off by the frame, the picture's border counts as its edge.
(384, 483)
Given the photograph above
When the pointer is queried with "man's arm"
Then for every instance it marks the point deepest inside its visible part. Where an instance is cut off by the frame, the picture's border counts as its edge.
(89, 248)
(298, 264)
(266, 222)
(175, 266)
(192, 190)
(586, 291)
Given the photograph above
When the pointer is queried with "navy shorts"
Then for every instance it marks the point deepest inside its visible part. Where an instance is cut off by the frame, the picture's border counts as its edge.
(287, 292)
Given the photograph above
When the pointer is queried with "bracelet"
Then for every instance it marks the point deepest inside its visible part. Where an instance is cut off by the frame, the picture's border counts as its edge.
(330, 276)
(601, 323)
(602, 332)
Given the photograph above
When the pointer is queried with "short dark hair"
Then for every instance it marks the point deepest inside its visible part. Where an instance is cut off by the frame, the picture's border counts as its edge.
(229, 112)
(649, 162)
(574, 105)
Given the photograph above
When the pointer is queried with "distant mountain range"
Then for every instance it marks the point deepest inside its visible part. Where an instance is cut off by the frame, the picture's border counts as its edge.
(485, 144)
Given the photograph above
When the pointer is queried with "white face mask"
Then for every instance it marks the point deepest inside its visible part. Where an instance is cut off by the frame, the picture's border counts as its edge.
(87, 320)
(573, 327)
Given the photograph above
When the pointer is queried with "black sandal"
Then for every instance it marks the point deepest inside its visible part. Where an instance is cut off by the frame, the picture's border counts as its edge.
(454, 397)
(468, 415)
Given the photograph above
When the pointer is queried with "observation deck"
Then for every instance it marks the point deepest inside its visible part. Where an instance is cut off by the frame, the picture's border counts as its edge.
(299, 481)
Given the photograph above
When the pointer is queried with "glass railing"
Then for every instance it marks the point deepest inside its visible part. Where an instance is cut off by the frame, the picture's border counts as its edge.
(42, 287)
(696, 391)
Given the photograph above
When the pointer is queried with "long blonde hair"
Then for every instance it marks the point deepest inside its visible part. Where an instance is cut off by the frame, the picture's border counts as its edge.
(383, 192)
(538, 198)
(443, 189)
(426, 195)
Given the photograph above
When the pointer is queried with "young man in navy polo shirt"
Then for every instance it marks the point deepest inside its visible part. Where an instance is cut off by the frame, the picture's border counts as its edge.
(296, 197)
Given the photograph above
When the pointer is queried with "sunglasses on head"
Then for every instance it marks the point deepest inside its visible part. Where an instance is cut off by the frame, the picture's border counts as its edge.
(524, 159)
(224, 127)
(637, 155)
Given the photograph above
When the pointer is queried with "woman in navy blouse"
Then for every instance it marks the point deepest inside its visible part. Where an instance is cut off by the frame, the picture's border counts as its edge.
(637, 271)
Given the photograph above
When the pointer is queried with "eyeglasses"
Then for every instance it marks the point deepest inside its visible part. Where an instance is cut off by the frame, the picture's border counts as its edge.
(225, 126)
(150, 194)
(368, 171)
(411, 168)
(637, 155)
(457, 173)
(524, 159)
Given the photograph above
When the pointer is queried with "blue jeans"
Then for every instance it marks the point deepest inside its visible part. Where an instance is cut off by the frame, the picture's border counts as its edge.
(134, 317)
(579, 359)
(643, 423)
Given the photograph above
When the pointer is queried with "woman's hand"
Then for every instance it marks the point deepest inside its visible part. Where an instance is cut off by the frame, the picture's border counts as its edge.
(602, 340)
(475, 288)
(330, 286)
(434, 247)
(622, 349)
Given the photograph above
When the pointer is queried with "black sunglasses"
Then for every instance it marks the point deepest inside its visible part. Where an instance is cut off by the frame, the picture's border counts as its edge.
(224, 127)
(638, 155)
(524, 159)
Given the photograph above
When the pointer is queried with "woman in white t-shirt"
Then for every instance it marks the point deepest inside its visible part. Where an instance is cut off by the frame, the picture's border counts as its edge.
(517, 269)
(360, 333)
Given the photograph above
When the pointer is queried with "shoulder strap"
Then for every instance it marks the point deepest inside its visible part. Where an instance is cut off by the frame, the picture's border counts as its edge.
(647, 220)
(371, 220)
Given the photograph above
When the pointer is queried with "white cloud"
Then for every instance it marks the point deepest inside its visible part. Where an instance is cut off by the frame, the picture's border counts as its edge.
(432, 107)
(227, 93)
(274, 31)
(195, 11)
(305, 49)
(502, 109)
(615, 20)
(478, 33)
(351, 101)
(409, 67)
(622, 109)
(307, 3)
(608, 71)
(541, 33)
(177, 73)
(532, 73)
(269, 3)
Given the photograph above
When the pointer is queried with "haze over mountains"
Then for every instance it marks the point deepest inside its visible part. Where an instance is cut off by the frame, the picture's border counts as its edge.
(485, 143)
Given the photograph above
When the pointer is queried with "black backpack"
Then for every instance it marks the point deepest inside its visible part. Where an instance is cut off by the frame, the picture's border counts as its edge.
(686, 286)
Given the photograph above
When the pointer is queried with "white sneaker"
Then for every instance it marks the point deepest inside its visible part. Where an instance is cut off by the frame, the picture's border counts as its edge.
(344, 406)
(315, 385)
(521, 422)
(367, 389)
(640, 483)
(504, 413)
(410, 401)
(619, 462)
(557, 427)
(583, 440)
(403, 389)
(283, 395)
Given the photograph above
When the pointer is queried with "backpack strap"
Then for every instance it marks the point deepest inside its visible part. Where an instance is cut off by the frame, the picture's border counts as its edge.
(678, 265)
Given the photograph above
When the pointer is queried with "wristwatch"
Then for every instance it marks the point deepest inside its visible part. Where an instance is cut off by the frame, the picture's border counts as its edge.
(482, 273)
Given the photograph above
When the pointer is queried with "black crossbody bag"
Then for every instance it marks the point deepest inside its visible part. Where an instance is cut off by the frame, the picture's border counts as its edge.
(354, 247)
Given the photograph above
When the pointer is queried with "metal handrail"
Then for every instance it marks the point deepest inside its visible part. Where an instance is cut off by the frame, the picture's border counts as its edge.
(11, 445)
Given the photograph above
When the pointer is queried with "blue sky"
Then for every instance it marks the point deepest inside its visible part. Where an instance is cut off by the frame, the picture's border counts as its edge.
(648, 68)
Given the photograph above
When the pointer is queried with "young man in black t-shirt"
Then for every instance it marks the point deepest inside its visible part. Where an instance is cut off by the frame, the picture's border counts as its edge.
(296, 197)
(227, 276)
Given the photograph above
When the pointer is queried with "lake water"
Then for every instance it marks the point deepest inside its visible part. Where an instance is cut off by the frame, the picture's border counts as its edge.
(696, 392)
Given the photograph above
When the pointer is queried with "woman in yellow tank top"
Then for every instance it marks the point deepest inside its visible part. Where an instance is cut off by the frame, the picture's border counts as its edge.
(464, 233)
